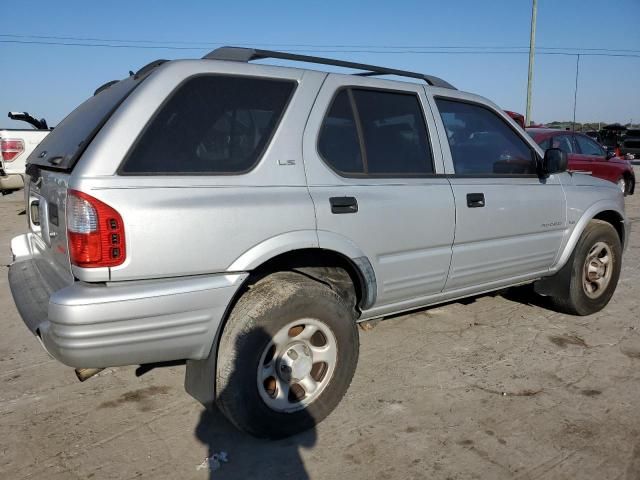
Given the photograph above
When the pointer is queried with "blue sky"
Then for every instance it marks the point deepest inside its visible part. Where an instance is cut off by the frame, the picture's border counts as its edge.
(50, 80)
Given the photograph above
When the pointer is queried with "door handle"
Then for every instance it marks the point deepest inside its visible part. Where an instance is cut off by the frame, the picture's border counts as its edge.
(475, 200)
(343, 205)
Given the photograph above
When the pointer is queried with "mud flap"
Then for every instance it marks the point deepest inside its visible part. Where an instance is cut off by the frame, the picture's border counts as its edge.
(200, 378)
(556, 285)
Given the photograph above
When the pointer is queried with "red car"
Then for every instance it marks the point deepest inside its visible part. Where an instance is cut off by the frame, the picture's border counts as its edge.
(586, 155)
(518, 117)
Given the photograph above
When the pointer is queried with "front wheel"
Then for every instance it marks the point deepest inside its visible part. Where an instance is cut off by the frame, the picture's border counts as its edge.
(286, 357)
(622, 185)
(593, 270)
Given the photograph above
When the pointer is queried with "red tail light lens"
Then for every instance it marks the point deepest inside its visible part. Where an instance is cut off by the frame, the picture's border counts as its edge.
(10, 149)
(95, 232)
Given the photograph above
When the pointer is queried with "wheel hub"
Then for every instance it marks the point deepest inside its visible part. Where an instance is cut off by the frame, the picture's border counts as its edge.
(597, 270)
(295, 363)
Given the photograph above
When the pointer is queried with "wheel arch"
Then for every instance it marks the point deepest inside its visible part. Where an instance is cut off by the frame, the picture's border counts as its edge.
(317, 263)
(299, 256)
(306, 250)
(605, 211)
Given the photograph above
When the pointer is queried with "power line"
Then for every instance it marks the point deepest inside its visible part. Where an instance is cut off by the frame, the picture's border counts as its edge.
(387, 52)
(104, 45)
(205, 44)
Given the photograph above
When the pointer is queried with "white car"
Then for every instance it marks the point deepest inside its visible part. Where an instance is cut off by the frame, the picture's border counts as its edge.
(15, 147)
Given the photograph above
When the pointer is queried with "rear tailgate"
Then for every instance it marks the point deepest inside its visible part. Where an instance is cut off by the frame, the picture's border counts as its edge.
(49, 171)
(46, 195)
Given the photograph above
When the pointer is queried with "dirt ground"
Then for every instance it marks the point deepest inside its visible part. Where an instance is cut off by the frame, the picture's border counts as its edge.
(496, 387)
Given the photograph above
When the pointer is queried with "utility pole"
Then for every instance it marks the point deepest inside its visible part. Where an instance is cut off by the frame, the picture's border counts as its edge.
(575, 92)
(532, 48)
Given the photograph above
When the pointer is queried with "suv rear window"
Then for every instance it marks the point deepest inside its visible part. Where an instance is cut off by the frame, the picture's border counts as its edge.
(211, 124)
(71, 136)
(389, 138)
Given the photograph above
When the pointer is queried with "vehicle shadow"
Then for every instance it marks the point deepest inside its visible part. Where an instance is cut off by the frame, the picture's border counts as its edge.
(247, 456)
(523, 294)
(526, 295)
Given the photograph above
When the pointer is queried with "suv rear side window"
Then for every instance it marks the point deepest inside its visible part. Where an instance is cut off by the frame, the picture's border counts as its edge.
(388, 138)
(211, 124)
(482, 143)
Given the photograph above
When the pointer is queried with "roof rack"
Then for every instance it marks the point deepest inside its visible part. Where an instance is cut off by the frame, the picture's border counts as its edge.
(238, 54)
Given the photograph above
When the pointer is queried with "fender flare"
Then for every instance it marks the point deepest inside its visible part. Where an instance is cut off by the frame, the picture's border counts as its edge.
(581, 224)
(339, 243)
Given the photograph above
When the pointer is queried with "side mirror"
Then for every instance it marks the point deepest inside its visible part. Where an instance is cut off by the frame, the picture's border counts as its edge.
(610, 153)
(555, 161)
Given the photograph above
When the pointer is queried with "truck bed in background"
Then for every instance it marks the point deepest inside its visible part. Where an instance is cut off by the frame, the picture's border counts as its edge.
(15, 146)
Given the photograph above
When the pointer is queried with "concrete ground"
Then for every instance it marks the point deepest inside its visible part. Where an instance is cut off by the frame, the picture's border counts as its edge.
(497, 387)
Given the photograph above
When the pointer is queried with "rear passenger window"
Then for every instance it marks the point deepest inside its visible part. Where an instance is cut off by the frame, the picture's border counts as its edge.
(563, 142)
(482, 143)
(211, 125)
(389, 138)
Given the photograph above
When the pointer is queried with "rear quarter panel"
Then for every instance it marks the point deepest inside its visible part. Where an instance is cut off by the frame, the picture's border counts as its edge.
(199, 227)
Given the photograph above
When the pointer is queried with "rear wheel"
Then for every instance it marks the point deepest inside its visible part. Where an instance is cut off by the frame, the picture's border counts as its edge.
(287, 356)
(593, 270)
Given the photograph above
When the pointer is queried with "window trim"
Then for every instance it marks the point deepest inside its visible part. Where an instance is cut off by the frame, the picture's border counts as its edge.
(169, 97)
(360, 135)
(536, 158)
(358, 124)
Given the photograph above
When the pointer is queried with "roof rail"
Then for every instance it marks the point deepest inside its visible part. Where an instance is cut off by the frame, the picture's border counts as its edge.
(238, 54)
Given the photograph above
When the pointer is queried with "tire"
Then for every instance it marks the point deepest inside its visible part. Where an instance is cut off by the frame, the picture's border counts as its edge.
(252, 347)
(622, 185)
(579, 300)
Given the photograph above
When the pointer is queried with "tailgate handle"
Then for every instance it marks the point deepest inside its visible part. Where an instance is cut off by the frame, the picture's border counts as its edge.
(343, 205)
(475, 200)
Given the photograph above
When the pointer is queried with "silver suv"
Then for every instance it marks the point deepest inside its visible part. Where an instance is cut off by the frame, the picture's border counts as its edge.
(244, 217)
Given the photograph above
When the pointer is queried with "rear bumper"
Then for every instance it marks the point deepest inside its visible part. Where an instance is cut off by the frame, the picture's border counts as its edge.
(11, 181)
(122, 323)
